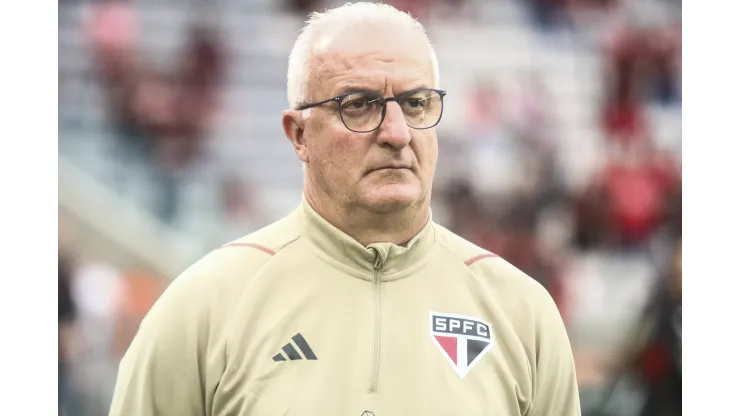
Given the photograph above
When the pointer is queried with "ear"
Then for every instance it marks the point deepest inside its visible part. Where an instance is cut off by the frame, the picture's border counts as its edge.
(294, 128)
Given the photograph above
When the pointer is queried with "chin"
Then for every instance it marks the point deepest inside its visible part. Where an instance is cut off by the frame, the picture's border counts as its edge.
(390, 198)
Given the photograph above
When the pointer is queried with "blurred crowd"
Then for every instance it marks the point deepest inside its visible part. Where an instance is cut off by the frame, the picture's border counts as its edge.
(100, 308)
(608, 250)
(159, 116)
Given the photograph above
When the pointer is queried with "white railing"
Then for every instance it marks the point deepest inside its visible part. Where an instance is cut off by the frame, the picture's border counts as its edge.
(135, 237)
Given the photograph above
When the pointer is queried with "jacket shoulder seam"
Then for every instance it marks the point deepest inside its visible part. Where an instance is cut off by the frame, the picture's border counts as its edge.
(260, 247)
(469, 262)
(249, 245)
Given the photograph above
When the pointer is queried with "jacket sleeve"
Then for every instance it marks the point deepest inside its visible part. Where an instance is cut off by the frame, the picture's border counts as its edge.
(160, 374)
(555, 390)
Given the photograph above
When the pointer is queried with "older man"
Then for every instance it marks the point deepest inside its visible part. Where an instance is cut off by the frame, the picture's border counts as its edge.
(355, 302)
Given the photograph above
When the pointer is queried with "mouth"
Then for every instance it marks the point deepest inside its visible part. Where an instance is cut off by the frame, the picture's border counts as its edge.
(393, 171)
(389, 169)
(382, 169)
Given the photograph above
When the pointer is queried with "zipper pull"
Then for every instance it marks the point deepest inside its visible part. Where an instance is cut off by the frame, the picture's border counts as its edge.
(379, 258)
(378, 261)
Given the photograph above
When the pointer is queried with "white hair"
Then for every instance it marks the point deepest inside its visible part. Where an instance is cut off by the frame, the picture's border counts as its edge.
(320, 29)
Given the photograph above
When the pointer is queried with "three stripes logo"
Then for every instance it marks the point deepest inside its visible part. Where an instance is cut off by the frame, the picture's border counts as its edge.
(463, 340)
(291, 351)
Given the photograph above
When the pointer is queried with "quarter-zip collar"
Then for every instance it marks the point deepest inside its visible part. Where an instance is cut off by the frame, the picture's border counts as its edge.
(344, 252)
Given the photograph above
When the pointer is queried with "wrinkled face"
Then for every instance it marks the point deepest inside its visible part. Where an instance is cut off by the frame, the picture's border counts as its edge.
(387, 169)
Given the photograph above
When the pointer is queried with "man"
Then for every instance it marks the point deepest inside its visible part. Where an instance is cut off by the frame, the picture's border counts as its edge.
(356, 303)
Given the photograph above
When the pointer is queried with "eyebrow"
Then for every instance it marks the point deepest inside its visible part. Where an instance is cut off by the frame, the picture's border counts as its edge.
(355, 88)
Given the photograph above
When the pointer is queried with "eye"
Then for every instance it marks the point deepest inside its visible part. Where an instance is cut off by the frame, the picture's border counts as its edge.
(417, 102)
(414, 106)
(360, 102)
(357, 103)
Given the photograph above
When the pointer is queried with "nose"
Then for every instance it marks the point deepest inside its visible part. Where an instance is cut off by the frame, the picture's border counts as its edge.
(394, 131)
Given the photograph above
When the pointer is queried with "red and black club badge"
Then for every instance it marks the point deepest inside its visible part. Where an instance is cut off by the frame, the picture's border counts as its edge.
(463, 340)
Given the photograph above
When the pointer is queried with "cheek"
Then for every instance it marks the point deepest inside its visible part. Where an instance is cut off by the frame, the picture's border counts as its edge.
(335, 149)
(427, 152)
(434, 152)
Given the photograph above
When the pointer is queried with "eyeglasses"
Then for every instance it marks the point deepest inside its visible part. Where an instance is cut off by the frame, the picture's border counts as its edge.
(364, 111)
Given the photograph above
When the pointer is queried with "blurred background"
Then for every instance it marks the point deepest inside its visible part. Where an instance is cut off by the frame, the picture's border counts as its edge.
(560, 150)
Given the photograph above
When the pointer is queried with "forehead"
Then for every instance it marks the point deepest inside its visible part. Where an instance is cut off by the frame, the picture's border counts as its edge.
(373, 60)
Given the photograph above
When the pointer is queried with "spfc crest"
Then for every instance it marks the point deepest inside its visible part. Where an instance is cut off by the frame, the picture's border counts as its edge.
(463, 340)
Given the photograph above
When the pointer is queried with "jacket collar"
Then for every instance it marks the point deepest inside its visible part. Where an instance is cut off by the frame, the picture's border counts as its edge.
(386, 261)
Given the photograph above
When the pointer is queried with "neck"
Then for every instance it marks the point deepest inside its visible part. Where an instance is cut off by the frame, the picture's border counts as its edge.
(366, 226)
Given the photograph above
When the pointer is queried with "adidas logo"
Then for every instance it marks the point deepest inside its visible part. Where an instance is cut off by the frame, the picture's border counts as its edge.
(291, 352)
